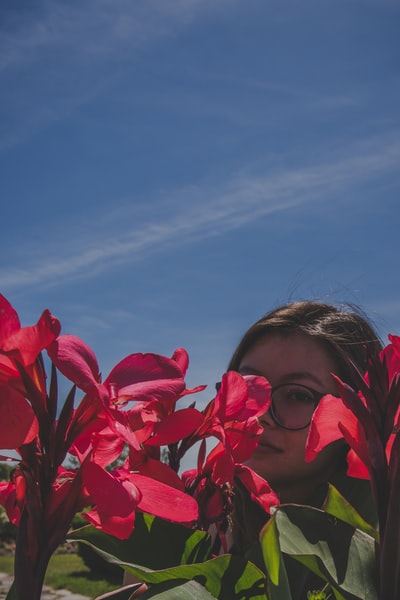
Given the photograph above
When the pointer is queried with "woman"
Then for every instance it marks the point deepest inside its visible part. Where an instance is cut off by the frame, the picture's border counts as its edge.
(297, 347)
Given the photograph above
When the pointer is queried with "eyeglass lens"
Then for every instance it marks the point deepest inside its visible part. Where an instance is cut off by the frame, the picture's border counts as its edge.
(293, 405)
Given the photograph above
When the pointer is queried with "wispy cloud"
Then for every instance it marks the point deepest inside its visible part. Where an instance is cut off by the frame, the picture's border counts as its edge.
(57, 56)
(195, 213)
(90, 29)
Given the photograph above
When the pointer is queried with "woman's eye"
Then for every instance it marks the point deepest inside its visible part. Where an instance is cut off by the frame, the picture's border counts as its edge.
(301, 397)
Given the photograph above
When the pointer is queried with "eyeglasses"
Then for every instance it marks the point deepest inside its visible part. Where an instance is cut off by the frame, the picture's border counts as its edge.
(293, 404)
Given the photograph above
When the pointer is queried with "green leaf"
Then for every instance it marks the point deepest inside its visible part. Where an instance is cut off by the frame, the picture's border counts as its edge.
(225, 577)
(271, 550)
(335, 504)
(154, 543)
(278, 584)
(171, 590)
(339, 553)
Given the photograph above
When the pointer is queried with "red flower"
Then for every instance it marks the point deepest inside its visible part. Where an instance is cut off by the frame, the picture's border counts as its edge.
(232, 417)
(25, 343)
(369, 422)
(19, 351)
(117, 496)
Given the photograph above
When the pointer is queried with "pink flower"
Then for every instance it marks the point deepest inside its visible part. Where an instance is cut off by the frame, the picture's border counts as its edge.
(118, 495)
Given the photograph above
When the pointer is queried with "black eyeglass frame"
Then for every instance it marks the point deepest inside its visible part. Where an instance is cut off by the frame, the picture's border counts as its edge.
(316, 395)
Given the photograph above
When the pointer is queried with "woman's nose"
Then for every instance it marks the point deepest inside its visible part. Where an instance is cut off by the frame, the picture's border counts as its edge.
(266, 419)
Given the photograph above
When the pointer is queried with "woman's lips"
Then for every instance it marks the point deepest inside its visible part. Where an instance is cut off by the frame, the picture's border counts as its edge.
(268, 445)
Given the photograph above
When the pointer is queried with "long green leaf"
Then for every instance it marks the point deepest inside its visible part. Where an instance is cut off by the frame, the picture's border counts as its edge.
(171, 590)
(278, 585)
(154, 543)
(337, 505)
(226, 577)
(332, 549)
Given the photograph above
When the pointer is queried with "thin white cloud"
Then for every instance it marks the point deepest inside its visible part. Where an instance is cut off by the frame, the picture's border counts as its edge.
(65, 54)
(199, 212)
(93, 29)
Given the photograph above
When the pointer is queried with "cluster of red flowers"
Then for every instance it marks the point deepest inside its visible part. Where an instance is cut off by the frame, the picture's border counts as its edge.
(134, 415)
(135, 407)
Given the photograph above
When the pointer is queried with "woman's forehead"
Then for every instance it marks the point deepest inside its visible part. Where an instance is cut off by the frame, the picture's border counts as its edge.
(284, 357)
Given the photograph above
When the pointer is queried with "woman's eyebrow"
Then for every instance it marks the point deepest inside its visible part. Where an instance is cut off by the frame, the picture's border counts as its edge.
(286, 378)
(249, 371)
(296, 375)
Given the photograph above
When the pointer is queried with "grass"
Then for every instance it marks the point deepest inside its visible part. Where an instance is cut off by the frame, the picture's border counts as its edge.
(68, 571)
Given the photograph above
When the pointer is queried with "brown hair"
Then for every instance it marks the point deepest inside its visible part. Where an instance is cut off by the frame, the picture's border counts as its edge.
(345, 332)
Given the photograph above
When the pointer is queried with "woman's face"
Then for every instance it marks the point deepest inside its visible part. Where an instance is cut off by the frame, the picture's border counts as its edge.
(279, 457)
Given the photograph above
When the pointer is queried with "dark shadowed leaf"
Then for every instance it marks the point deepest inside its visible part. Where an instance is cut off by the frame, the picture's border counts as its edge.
(226, 577)
(332, 549)
(173, 590)
(154, 543)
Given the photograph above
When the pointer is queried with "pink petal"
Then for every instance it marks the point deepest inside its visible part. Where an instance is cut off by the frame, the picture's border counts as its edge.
(259, 400)
(258, 488)
(160, 471)
(164, 501)
(112, 495)
(107, 447)
(231, 396)
(175, 427)
(7, 369)
(356, 467)
(18, 423)
(324, 427)
(119, 422)
(116, 525)
(30, 341)
(220, 462)
(391, 354)
(76, 360)
(146, 377)
(9, 501)
(181, 357)
(243, 438)
(9, 320)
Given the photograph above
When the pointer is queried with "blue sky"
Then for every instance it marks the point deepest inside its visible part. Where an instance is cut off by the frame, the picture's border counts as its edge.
(172, 169)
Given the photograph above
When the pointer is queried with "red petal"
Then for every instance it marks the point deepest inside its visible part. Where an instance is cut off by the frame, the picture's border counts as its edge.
(259, 400)
(181, 357)
(391, 353)
(30, 341)
(152, 373)
(120, 527)
(107, 447)
(324, 427)
(76, 360)
(175, 427)
(356, 467)
(164, 501)
(160, 471)
(9, 501)
(7, 369)
(9, 320)
(231, 397)
(18, 424)
(259, 489)
(112, 495)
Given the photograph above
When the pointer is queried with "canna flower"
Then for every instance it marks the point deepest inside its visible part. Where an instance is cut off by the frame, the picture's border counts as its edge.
(369, 421)
(118, 495)
(231, 417)
(20, 348)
